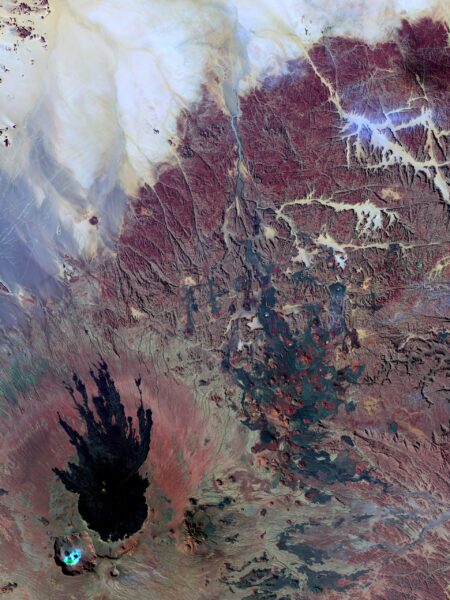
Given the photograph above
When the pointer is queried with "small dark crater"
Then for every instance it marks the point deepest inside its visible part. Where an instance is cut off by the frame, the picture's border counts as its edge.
(8, 588)
(110, 454)
(93, 220)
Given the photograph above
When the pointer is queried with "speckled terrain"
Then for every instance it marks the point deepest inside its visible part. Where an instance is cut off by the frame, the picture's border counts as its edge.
(272, 313)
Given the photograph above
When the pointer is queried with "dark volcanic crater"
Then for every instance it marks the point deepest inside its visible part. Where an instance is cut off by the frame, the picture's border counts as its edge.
(110, 453)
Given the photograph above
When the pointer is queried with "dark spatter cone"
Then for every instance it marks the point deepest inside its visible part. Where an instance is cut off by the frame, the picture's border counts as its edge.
(110, 453)
(199, 523)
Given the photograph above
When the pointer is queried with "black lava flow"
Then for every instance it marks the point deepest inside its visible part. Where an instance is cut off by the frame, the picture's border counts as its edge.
(110, 454)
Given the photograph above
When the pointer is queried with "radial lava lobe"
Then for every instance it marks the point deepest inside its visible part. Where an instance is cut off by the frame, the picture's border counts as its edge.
(110, 454)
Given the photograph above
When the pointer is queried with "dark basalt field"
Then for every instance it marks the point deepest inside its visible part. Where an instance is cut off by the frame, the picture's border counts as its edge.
(270, 415)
